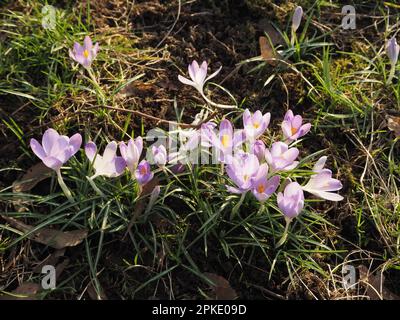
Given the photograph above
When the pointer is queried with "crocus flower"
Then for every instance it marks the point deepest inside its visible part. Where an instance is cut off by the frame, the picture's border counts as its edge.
(55, 149)
(226, 141)
(255, 124)
(296, 20)
(291, 201)
(241, 169)
(109, 164)
(131, 152)
(262, 188)
(258, 149)
(159, 155)
(198, 74)
(281, 157)
(392, 50)
(143, 173)
(197, 138)
(84, 54)
(293, 127)
(322, 184)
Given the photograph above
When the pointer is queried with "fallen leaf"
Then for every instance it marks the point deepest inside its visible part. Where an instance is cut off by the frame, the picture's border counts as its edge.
(274, 35)
(268, 52)
(29, 180)
(221, 288)
(393, 124)
(53, 238)
(26, 291)
(374, 284)
(94, 295)
(32, 177)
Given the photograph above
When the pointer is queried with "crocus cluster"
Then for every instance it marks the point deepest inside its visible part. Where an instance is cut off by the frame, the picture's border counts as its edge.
(254, 167)
(251, 166)
(55, 150)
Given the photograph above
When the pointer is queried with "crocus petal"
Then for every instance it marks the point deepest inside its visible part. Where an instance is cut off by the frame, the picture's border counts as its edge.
(288, 116)
(201, 73)
(298, 14)
(123, 150)
(87, 43)
(90, 150)
(52, 163)
(272, 185)
(193, 68)
(304, 129)
(95, 50)
(110, 151)
(75, 143)
(234, 190)
(213, 74)
(326, 195)
(186, 81)
(37, 149)
(49, 139)
(319, 165)
(120, 165)
(297, 121)
(246, 118)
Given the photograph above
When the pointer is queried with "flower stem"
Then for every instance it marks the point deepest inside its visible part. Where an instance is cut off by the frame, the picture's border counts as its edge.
(285, 233)
(64, 187)
(96, 84)
(95, 188)
(222, 106)
(391, 74)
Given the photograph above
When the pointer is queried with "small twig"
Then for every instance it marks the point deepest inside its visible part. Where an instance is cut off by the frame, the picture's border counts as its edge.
(147, 116)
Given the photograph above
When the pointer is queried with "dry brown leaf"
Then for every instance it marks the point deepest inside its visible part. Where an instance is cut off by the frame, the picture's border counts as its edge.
(274, 35)
(32, 177)
(53, 238)
(221, 288)
(374, 284)
(26, 291)
(93, 294)
(268, 52)
(393, 124)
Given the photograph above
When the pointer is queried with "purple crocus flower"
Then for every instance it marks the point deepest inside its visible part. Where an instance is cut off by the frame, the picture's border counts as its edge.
(201, 137)
(392, 50)
(109, 164)
(296, 20)
(198, 74)
(241, 169)
(159, 155)
(131, 152)
(226, 141)
(258, 149)
(281, 157)
(262, 188)
(291, 201)
(255, 124)
(293, 127)
(84, 54)
(322, 184)
(143, 173)
(55, 149)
